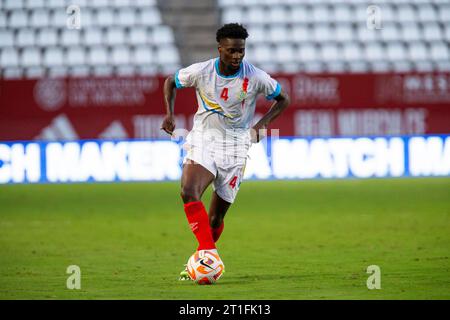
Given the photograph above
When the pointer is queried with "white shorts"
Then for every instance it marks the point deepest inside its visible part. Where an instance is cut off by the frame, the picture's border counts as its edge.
(228, 170)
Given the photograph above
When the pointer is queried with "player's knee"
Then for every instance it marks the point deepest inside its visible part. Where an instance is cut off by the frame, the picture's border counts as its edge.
(215, 221)
(189, 194)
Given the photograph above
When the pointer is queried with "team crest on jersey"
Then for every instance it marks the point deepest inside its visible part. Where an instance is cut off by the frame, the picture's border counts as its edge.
(243, 93)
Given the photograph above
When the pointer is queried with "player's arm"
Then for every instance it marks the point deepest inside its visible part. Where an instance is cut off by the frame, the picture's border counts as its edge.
(168, 124)
(281, 103)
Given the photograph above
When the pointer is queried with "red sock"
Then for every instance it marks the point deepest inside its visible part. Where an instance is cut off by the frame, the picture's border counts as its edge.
(199, 223)
(216, 232)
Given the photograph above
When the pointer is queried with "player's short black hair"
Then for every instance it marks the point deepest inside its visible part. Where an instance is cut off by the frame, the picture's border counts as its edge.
(232, 31)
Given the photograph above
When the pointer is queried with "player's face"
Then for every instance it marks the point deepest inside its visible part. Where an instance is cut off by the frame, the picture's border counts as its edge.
(232, 51)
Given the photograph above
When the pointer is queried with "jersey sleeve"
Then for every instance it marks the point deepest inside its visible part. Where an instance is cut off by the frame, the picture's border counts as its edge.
(268, 86)
(187, 77)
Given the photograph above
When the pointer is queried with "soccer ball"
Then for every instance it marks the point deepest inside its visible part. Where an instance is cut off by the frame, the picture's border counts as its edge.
(205, 267)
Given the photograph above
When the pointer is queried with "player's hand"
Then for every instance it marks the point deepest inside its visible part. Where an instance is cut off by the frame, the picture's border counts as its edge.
(168, 124)
(258, 132)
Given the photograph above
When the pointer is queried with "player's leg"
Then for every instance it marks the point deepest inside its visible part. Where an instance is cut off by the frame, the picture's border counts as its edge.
(194, 181)
(217, 210)
(226, 186)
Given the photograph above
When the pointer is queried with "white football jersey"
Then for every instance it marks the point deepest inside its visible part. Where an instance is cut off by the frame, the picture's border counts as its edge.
(226, 103)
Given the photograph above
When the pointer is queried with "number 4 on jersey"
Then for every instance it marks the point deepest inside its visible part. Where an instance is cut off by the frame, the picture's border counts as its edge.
(233, 182)
(224, 94)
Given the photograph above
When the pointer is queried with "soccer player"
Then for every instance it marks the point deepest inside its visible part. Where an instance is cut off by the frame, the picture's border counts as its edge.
(217, 146)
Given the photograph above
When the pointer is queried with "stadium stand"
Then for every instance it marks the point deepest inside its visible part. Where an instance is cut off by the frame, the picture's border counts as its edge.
(332, 35)
(147, 37)
(120, 37)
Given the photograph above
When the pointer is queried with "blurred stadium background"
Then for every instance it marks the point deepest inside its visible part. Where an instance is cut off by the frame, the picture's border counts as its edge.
(81, 101)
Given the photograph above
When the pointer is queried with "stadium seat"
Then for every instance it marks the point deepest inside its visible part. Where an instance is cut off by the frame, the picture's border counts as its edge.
(418, 51)
(98, 56)
(25, 37)
(40, 18)
(330, 52)
(411, 32)
(374, 51)
(18, 19)
(308, 52)
(167, 55)
(162, 35)
(54, 56)
(137, 36)
(6, 38)
(47, 37)
(120, 55)
(9, 57)
(76, 56)
(115, 36)
(31, 57)
(70, 37)
(396, 52)
(93, 36)
(142, 55)
(34, 72)
(126, 17)
(285, 53)
(432, 32)
(439, 51)
(352, 51)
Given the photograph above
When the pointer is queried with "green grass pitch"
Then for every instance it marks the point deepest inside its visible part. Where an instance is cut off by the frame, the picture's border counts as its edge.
(282, 240)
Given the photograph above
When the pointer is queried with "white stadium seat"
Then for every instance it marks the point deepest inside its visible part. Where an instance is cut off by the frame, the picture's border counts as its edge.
(98, 56)
(138, 35)
(396, 51)
(330, 52)
(418, 51)
(18, 19)
(167, 55)
(162, 35)
(308, 52)
(70, 37)
(142, 55)
(126, 17)
(76, 56)
(6, 38)
(13, 4)
(47, 37)
(439, 51)
(105, 17)
(411, 32)
(231, 15)
(120, 55)
(31, 57)
(262, 54)
(9, 57)
(432, 32)
(93, 36)
(301, 33)
(278, 34)
(115, 36)
(40, 18)
(54, 56)
(352, 51)
(285, 53)
(25, 37)
(374, 51)
(149, 17)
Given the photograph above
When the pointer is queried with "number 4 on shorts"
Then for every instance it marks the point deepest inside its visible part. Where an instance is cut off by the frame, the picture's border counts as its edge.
(233, 182)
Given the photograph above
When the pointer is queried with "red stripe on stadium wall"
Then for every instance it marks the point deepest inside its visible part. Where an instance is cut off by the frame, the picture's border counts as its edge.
(322, 105)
